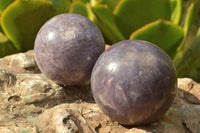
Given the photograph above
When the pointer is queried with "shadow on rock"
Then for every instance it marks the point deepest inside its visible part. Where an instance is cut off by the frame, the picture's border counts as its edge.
(78, 93)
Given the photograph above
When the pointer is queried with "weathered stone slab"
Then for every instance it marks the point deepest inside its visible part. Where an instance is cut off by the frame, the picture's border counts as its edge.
(31, 103)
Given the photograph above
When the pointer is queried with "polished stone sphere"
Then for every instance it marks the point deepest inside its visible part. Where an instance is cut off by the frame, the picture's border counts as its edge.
(67, 47)
(134, 82)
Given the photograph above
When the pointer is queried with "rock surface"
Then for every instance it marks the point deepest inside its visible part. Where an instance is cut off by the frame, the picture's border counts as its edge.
(31, 103)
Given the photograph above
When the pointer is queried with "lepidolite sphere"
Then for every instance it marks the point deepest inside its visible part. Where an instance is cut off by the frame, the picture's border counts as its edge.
(134, 82)
(67, 47)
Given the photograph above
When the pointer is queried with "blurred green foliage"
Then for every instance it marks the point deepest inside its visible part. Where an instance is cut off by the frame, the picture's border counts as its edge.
(163, 33)
(22, 20)
(173, 25)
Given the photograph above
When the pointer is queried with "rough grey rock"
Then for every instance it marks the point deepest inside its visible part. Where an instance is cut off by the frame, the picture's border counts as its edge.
(6, 130)
(20, 63)
(57, 120)
(31, 103)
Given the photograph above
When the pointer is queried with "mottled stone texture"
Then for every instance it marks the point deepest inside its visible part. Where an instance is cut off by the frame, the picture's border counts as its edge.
(134, 82)
(67, 47)
(31, 103)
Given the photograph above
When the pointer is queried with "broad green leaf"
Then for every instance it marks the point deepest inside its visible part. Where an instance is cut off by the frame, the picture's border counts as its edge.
(112, 3)
(130, 15)
(4, 4)
(163, 33)
(22, 20)
(186, 4)
(91, 14)
(6, 48)
(1, 30)
(191, 25)
(190, 63)
(61, 6)
(97, 2)
(191, 47)
(191, 29)
(85, 1)
(189, 18)
(192, 12)
(108, 26)
(106, 34)
(177, 7)
(79, 8)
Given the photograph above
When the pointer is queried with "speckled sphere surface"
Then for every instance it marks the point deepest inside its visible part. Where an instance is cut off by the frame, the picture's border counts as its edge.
(67, 47)
(134, 82)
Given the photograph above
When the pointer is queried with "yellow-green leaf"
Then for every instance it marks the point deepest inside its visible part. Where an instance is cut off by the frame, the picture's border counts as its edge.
(6, 48)
(84, 1)
(4, 4)
(108, 27)
(112, 3)
(1, 30)
(177, 7)
(61, 6)
(22, 20)
(97, 2)
(163, 33)
(130, 15)
(192, 13)
(191, 29)
(191, 25)
(189, 64)
(79, 8)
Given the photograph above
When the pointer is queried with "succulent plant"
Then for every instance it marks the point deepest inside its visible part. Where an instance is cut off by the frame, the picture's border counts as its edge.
(173, 25)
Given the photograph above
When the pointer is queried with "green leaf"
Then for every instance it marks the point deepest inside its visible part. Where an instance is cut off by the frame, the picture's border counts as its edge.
(61, 6)
(79, 8)
(107, 24)
(189, 65)
(1, 30)
(4, 4)
(163, 33)
(188, 52)
(6, 48)
(84, 1)
(189, 57)
(191, 26)
(112, 3)
(192, 12)
(130, 15)
(22, 20)
(97, 2)
(177, 7)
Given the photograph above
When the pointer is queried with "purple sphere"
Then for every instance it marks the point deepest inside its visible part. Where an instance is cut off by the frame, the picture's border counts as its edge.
(134, 82)
(67, 47)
